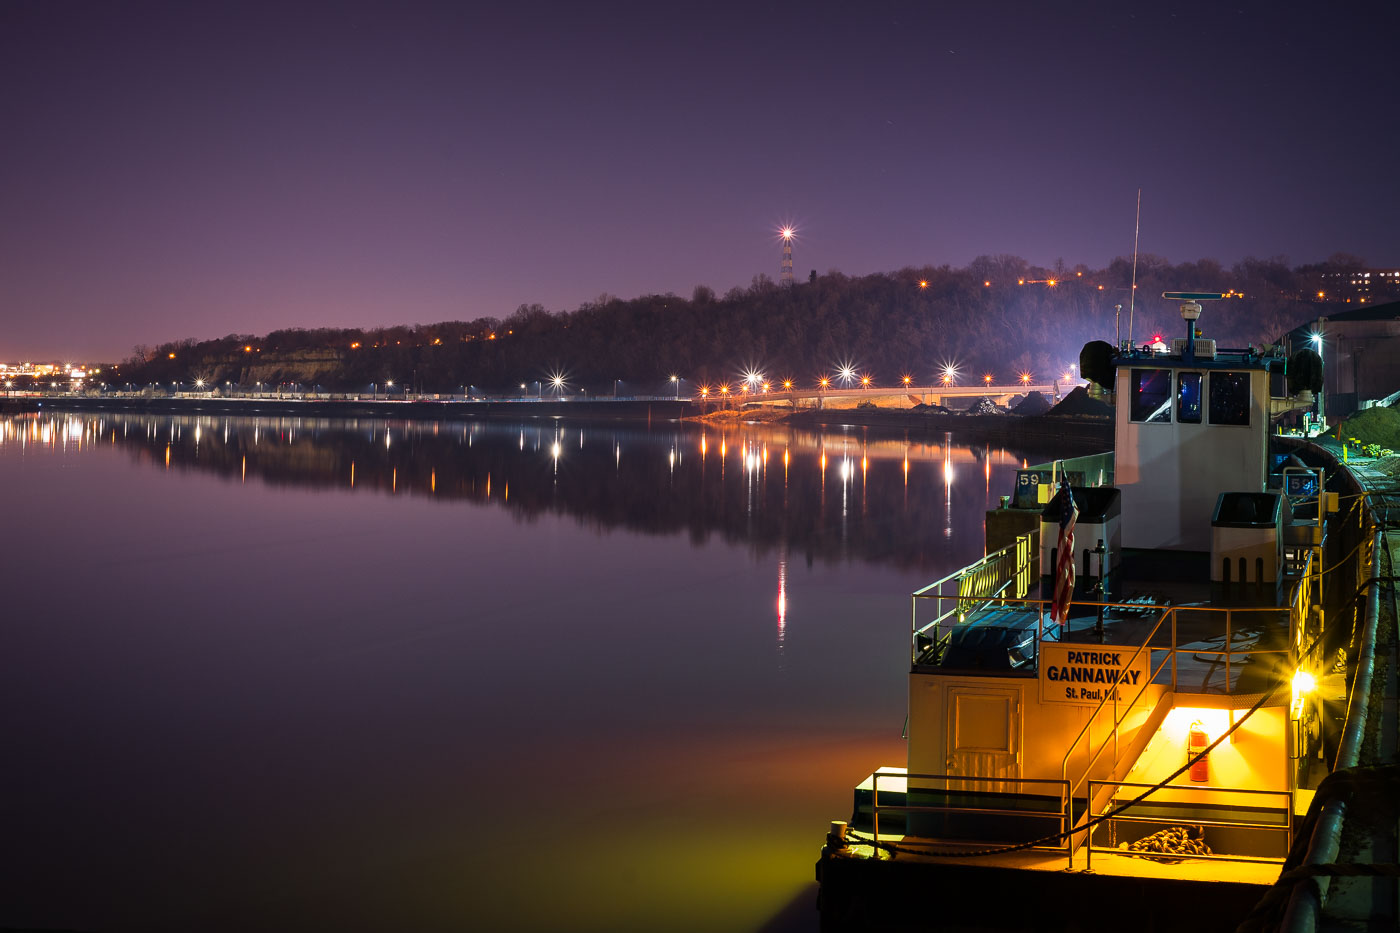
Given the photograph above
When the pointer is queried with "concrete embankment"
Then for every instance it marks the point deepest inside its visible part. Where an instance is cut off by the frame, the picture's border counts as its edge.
(1076, 430)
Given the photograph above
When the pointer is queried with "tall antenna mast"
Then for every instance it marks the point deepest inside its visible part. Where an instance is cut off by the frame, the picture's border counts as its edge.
(1132, 292)
(785, 267)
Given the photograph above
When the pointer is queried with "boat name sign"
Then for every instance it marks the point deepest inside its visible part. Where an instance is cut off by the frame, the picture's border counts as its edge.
(1080, 674)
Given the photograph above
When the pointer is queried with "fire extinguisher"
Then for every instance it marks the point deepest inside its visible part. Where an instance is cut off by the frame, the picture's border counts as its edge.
(1200, 770)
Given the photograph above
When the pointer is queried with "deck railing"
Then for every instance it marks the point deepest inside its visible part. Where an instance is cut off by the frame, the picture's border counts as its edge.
(1060, 815)
(1001, 576)
(1199, 796)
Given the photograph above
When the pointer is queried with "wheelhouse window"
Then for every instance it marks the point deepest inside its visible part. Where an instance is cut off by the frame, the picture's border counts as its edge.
(1229, 398)
(1151, 396)
(1188, 398)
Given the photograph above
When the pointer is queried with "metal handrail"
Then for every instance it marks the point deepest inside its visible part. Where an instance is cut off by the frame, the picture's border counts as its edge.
(1300, 594)
(1015, 556)
(1112, 694)
(1063, 815)
(1286, 827)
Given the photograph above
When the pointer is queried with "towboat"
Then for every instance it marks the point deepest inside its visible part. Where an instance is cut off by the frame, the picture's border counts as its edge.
(1118, 716)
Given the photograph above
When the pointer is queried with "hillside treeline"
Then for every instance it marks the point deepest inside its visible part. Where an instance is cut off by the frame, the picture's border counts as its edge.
(998, 315)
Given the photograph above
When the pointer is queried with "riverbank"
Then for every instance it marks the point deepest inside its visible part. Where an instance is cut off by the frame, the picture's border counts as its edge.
(313, 407)
(1076, 430)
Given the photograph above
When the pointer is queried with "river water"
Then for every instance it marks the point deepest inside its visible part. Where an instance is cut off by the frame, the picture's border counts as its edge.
(294, 674)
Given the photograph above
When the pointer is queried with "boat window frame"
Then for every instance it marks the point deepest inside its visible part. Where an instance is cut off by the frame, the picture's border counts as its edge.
(1218, 411)
(1161, 413)
(1195, 416)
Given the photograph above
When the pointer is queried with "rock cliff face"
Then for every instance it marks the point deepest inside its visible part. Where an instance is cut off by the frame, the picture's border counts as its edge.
(309, 367)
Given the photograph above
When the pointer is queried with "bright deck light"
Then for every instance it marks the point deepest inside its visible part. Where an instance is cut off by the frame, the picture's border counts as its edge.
(1303, 683)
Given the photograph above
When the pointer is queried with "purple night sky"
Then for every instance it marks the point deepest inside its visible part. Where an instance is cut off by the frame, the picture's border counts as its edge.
(197, 169)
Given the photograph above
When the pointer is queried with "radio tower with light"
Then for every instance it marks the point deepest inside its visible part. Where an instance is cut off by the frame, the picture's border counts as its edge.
(785, 268)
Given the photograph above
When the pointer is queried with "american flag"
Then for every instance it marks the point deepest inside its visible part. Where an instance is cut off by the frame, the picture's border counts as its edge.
(1064, 557)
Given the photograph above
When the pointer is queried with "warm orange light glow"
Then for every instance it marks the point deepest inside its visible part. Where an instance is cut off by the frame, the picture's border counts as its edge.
(987, 378)
(907, 380)
(987, 284)
(1025, 378)
(1051, 283)
(786, 233)
(923, 283)
(1303, 683)
(1020, 281)
(355, 345)
(172, 356)
(1319, 294)
(825, 382)
(865, 381)
(704, 391)
(1100, 288)
(787, 383)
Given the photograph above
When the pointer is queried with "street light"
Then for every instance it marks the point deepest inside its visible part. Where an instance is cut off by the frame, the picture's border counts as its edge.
(676, 384)
(1321, 411)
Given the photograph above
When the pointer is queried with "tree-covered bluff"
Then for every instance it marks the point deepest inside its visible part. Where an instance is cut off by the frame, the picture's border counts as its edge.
(998, 315)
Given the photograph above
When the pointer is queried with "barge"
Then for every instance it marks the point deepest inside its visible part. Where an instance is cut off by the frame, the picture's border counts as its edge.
(1119, 718)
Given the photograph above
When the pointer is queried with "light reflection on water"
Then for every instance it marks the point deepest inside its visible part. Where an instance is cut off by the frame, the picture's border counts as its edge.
(293, 673)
